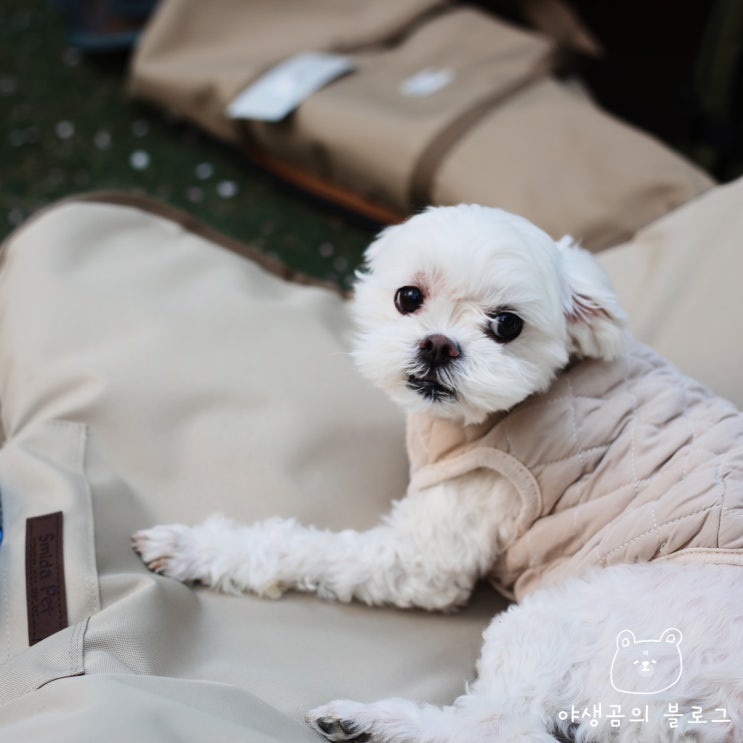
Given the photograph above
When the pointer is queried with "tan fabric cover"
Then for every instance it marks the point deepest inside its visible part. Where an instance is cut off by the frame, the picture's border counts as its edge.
(680, 280)
(545, 151)
(617, 462)
(551, 155)
(147, 375)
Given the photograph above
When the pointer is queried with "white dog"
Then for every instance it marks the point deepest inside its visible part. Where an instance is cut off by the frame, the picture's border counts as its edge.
(550, 452)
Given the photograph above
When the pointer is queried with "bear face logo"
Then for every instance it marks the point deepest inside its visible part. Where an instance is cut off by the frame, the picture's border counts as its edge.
(646, 666)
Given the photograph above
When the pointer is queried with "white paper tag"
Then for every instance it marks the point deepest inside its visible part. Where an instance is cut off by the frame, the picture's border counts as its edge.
(279, 91)
(426, 82)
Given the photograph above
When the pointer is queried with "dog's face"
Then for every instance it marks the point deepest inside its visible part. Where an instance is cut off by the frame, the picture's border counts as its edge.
(466, 310)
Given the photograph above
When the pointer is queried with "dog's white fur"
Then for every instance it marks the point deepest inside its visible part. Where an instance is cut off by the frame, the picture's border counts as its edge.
(552, 653)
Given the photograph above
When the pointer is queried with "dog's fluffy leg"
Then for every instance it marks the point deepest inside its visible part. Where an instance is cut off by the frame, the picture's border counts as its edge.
(468, 720)
(548, 667)
(386, 720)
(428, 552)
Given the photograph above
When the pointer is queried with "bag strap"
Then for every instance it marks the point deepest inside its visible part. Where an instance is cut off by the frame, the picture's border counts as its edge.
(421, 181)
(559, 21)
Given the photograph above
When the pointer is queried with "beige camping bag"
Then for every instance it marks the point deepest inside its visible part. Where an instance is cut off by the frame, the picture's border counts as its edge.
(440, 104)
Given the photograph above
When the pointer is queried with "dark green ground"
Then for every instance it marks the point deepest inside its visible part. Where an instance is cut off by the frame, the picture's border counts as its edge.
(67, 127)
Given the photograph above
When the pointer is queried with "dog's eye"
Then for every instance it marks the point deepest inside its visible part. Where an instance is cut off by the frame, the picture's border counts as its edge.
(506, 326)
(408, 299)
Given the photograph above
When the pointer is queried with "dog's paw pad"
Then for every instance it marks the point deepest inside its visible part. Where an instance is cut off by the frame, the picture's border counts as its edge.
(338, 729)
(163, 549)
(327, 722)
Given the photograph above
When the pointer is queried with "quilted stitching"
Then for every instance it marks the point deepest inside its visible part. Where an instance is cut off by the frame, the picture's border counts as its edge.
(632, 458)
(657, 487)
(637, 481)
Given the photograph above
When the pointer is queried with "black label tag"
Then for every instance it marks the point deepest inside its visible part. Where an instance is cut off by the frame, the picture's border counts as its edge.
(46, 596)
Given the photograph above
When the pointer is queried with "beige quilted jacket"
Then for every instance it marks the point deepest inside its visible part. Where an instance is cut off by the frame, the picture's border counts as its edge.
(618, 461)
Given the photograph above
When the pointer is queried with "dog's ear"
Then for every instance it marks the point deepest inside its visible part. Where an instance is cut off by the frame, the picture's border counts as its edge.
(596, 321)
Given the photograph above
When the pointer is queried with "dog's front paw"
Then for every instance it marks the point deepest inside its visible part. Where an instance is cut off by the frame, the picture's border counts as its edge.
(335, 721)
(167, 549)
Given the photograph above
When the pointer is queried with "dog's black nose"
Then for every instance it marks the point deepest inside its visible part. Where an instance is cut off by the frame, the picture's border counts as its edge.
(437, 350)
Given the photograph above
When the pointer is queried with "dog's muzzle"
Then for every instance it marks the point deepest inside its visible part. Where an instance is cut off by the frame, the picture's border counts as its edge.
(436, 353)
